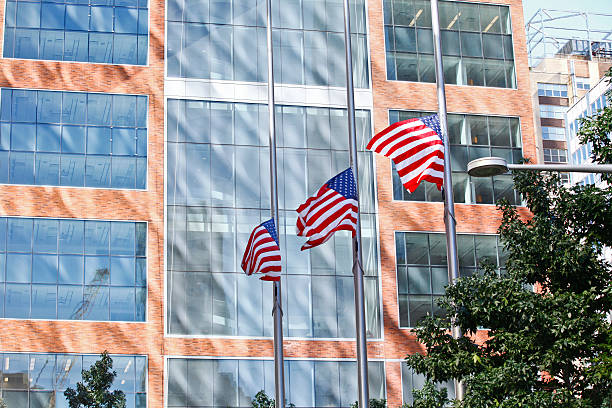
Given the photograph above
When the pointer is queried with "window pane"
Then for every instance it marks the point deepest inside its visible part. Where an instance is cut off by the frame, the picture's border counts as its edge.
(44, 301)
(17, 301)
(44, 269)
(471, 45)
(416, 249)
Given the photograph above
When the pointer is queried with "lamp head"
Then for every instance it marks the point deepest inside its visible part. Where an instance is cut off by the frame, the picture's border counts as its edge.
(487, 167)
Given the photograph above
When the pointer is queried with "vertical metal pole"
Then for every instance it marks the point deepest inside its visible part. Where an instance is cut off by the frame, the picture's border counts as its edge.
(360, 323)
(449, 204)
(588, 30)
(277, 308)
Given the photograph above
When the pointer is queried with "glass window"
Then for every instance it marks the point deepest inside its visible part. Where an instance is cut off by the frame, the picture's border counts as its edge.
(478, 37)
(209, 41)
(412, 381)
(231, 382)
(209, 222)
(555, 155)
(558, 90)
(583, 83)
(553, 133)
(83, 130)
(51, 374)
(553, 111)
(64, 31)
(471, 137)
(421, 268)
(48, 262)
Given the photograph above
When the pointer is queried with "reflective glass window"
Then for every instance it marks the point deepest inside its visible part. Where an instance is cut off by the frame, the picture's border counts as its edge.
(39, 380)
(226, 40)
(471, 137)
(218, 190)
(67, 139)
(476, 36)
(62, 269)
(234, 382)
(412, 381)
(67, 31)
(421, 268)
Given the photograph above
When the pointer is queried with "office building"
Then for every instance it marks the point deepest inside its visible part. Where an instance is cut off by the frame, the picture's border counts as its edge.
(565, 63)
(135, 164)
(590, 104)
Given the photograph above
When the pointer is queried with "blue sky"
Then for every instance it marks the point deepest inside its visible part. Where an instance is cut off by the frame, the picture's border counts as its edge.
(599, 6)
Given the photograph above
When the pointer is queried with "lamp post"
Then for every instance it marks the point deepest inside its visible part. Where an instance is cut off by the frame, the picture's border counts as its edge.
(494, 166)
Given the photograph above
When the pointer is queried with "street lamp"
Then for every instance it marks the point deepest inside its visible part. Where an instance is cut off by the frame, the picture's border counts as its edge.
(494, 166)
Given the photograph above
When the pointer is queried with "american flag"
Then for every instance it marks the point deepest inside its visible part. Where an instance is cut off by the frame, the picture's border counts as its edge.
(262, 254)
(416, 148)
(332, 209)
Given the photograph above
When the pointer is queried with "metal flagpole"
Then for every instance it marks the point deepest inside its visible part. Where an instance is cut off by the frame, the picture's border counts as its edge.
(360, 323)
(277, 308)
(449, 203)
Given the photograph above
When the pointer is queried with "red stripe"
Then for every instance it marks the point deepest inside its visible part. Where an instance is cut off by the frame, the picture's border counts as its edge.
(257, 232)
(321, 191)
(415, 165)
(412, 184)
(248, 248)
(416, 148)
(313, 243)
(322, 208)
(319, 226)
(259, 251)
(270, 278)
(392, 139)
(386, 130)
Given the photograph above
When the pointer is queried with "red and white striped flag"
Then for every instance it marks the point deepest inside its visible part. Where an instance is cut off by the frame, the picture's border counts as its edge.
(416, 148)
(332, 209)
(262, 254)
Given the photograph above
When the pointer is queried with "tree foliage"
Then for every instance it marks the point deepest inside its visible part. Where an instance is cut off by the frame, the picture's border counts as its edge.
(428, 397)
(374, 403)
(596, 130)
(94, 391)
(262, 400)
(548, 347)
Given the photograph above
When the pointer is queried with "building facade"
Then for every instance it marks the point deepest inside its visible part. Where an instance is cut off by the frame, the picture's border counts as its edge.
(565, 63)
(134, 164)
(590, 104)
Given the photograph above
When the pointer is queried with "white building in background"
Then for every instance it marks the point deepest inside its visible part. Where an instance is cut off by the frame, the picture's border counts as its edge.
(593, 101)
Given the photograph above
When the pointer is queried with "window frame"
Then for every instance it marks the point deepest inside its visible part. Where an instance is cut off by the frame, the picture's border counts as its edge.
(475, 268)
(84, 254)
(82, 123)
(137, 33)
(426, 185)
(509, 75)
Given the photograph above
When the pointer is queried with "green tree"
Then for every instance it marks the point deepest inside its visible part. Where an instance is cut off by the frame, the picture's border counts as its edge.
(549, 347)
(2, 403)
(94, 391)
(428, 397)
(374, 403)
(262, 400)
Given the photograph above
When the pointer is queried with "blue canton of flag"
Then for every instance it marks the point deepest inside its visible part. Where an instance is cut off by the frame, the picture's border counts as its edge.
(433, 122)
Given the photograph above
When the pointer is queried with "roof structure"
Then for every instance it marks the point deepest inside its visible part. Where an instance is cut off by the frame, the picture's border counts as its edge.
(561, 33)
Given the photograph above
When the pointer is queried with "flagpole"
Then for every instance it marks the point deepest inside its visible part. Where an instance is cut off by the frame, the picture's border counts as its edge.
(360, 322)
(449, 203)
(277, 308)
